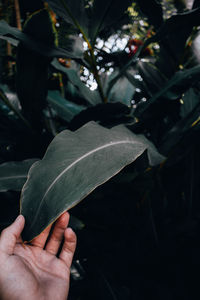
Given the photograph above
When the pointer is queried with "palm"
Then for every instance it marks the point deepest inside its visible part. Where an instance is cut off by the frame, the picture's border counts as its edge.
(43, 269)
(37, 271)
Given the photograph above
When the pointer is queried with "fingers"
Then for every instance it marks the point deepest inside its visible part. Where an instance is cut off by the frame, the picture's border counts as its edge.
(69, 247)
(40, 240)
(57, 235)
(11, 235)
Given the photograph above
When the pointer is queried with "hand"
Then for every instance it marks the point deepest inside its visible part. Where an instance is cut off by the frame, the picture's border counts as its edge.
(32, 271)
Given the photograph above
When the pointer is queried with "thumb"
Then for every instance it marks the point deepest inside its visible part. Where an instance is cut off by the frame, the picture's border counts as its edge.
(10, 235)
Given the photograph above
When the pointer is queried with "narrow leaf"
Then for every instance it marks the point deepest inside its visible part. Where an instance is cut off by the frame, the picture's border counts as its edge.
(13, 35)
(181, 78)
(74, 165)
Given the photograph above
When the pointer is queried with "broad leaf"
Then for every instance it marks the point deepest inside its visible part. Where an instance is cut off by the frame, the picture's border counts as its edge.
(74, 165)
(65, 109)
(13, 174)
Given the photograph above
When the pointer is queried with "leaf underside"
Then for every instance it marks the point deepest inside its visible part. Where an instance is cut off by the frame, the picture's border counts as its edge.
(74, 165)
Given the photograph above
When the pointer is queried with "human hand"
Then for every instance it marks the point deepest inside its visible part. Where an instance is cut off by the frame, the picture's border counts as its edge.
(32, 271)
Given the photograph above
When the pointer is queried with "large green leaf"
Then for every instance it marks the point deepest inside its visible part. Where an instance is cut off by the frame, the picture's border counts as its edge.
(74, 165)
(13, 35)
(65, 109)
(13, 174)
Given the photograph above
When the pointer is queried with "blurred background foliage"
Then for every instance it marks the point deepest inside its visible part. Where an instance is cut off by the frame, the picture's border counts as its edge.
(115, 62)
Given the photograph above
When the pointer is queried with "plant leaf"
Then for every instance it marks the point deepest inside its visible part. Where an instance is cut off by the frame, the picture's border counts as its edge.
(122, 92)
(179, 82)
(155, 18)
(175, 24)
(73, 12)
(176, 133)
(74, 165)
(13, 35)
(92, 97)
(13, 174)
(104, 13)
(106, 114)
(65, 109)
(12, 96)
(190, 100)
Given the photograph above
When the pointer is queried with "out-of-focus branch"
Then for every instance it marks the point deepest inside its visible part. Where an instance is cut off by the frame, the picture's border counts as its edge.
(18, 14)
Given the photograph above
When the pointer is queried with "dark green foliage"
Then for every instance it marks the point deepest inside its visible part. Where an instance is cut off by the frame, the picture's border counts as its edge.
(39, 47)
(141, 231)
(155, 18)
(31, 81)
(104, 14)
(32, 69)
(106, 114)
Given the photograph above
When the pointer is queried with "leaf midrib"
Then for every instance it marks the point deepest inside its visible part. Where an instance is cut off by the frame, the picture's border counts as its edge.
(71, 165)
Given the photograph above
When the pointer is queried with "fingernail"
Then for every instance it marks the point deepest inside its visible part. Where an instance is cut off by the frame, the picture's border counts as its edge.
(18, 218)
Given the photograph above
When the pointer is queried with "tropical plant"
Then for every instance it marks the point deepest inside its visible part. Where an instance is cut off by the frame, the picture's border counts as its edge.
(104, 92)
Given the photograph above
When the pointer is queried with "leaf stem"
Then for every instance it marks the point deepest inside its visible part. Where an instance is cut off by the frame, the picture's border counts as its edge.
(91, 50)
(18, 15)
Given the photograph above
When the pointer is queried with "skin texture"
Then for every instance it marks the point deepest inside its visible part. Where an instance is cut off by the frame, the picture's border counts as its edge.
(32, 271)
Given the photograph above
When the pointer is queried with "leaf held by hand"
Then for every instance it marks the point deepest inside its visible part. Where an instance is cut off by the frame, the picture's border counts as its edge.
(74, 165)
